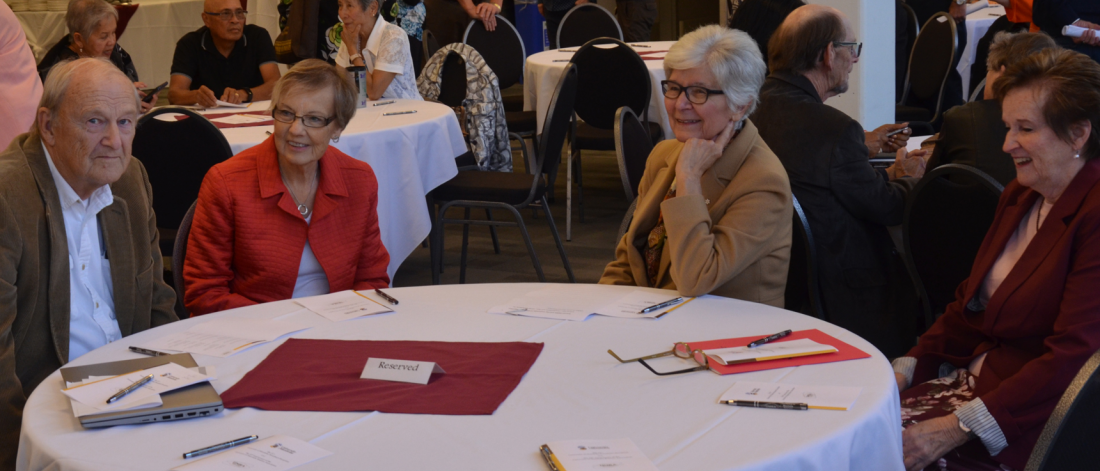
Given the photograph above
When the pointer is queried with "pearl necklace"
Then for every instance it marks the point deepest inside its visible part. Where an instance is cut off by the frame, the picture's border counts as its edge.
(302, 208)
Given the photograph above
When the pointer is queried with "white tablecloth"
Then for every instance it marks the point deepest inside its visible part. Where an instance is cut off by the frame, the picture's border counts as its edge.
(575, 390)
(542, 74)
(151, 34)
(977, 24)
(411, 154)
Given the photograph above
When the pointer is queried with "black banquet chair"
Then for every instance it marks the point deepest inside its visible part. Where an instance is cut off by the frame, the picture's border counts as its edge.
(505, 54)
(632, 148)
(803, 293)
(946, 219)
(586, 22)
(179, 254)
(507, 190)
(929, 65)
(1068, 440)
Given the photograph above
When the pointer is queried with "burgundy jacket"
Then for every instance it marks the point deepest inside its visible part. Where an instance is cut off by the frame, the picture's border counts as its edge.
(247, 237)
(1041, 324)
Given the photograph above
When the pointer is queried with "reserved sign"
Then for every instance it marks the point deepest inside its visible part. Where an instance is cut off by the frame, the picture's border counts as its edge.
(404, 371)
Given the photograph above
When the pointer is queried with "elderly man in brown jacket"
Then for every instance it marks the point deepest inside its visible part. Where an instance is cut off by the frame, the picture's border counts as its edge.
(80, 264)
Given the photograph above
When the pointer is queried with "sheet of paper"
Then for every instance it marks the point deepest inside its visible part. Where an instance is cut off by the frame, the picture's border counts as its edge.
(1073, 31)
(770, 351)
(227, 104)
(973, 7)
(257, 329)
(600, 455)
(553, 302)
(81, 410)
(914, 143)
(223, 337)
(816, 397)
(166, 378)
(342, 305)
(277, 453)
(242, 119)
(631, 304)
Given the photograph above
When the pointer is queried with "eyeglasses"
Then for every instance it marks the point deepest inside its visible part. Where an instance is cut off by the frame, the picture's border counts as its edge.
(309, 121)
(679, 350)
(856, 47)
(697, 95)
(227, 15)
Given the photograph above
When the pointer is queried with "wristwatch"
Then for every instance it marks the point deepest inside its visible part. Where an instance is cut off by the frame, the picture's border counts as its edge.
(356, 56)
(249, 92)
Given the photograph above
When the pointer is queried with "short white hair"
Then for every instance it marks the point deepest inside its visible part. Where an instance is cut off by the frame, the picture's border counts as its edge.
(84, 16)
(731, 55)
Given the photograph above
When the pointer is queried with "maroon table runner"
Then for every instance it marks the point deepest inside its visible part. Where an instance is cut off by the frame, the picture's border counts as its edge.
(218, 125)
(323, 375)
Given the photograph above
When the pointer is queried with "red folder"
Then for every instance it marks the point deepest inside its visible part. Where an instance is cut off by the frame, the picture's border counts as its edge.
(844, 352)
(218, 125)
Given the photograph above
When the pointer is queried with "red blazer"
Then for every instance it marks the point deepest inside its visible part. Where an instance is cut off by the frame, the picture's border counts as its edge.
(1041, 324)
(247, 238)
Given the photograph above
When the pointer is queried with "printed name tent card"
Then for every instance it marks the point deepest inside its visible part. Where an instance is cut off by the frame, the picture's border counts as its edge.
(404, 371)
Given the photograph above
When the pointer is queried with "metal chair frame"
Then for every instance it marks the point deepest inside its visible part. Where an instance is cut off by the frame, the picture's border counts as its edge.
(569, 13)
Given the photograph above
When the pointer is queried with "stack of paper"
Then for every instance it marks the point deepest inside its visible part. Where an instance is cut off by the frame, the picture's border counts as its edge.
(90, 396)
(815, 397)
(342, 305)
(223, 337)
(769, 351)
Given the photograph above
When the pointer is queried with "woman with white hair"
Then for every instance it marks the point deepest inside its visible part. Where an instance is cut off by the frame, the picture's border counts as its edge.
(714, 205)
(92, 25)
(367, 40)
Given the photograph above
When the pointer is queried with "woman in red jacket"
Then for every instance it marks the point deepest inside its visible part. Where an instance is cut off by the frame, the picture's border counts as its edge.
(290, 217)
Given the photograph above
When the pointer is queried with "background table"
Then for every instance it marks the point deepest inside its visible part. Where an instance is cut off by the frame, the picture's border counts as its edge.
(411, 154)
(542, 74)
(977, 24)
(575, 390)
(151, 34)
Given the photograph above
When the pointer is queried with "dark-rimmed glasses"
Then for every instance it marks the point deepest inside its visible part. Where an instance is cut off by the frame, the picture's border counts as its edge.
(695, 94)
(679, 350)
(309, 121)
(227, 15)
(857, 48)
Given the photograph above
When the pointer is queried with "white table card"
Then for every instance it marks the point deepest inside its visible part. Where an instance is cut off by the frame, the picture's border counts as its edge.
(277, 453)
(342, 305)
(404, 371)
(815, 397)
(600, 455)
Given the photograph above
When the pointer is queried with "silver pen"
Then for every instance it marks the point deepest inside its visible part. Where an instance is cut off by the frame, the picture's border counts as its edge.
(220, 446)
(394, 113)
(767, 405)
(146, 351)
(384, 103)
(129, 389)
(660, 306)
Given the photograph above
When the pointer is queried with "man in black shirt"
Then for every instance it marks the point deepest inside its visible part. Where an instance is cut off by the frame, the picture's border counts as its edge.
(225, 60)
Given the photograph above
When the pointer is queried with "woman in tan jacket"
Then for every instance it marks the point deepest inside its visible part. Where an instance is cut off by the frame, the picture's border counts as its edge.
(714, 205)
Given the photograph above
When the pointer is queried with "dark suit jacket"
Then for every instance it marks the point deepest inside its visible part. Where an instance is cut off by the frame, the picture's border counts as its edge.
(864, 285)
(1041, 324)
(1051, 15)
(34, 274)
(973, 134)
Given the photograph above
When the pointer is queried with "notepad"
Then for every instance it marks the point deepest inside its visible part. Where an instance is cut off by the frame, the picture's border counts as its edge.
(769, 351)
(815, 397)
(597, 455)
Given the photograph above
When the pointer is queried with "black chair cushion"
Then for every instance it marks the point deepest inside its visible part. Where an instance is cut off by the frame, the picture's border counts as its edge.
(466, 160)
(513, 102)
(521, 121)
(499, 187)
(903, 113)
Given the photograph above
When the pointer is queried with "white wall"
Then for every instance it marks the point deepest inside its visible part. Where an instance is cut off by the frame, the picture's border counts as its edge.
(870, 96)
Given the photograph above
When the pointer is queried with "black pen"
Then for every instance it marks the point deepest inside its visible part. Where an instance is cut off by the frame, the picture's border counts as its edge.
(562, 60)
(387, 297)
(639, 45)
(220, 446)
(770, 338)
(767, 405)
(146, 351)
(129, 389)
(660, 306)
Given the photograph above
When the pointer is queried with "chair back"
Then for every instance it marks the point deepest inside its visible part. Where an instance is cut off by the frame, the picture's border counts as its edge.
(632, 148)
(946, 219)
(586, 22)
(179, 254)
(913, 30)
(176, 155)
(803, 294)
(627, 219)
(452, 80)
(610, 75)
(559, 114)
(930, 63)
(979, 91)
(1068, 440)
(429, 44)
(501, 48)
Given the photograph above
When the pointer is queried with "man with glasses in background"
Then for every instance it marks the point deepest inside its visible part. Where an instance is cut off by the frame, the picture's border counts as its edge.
(848, 203)
(225, 60)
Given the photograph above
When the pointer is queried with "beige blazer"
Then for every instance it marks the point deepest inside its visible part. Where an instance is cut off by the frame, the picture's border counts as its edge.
(34, 274)
(733, 241)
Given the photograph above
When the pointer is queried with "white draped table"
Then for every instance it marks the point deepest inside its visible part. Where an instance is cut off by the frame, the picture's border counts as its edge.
(977, 24)
(575, 390)
(410, 154)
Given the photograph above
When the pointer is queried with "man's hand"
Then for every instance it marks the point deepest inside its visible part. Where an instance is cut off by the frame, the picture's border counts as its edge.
(958, 12)
(542, 11)
(908, 164)
(1090, 37)
(234, 96)
(205, 97)
(580, 2)
(487, 12)
(878, 141)
(928, 441)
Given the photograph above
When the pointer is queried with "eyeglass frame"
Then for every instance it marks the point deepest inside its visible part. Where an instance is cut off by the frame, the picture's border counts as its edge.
(684, 89)
(301, 117)
(228, 15)
(857, 47)
(704, 365)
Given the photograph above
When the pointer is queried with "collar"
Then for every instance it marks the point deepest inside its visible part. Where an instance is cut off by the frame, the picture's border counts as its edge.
(374, 41)
(101, 197)
(800, 81)
(331, 183)
(206, 33)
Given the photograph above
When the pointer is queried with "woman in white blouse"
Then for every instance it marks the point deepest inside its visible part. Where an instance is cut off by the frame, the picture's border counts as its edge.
(368, 40)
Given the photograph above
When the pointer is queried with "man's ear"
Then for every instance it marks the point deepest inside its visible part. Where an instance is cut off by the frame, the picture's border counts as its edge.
(828, 56)
(45, 122)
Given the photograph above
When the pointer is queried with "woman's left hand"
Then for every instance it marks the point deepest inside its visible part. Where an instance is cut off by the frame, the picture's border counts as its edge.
(699, 155)
(926, 442)
(487, 13)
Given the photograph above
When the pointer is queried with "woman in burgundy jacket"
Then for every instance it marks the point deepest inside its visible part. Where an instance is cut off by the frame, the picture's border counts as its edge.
(290, 217)
(989, 372)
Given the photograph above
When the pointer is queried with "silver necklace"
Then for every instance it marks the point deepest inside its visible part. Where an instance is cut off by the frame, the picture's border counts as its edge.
(301, 207)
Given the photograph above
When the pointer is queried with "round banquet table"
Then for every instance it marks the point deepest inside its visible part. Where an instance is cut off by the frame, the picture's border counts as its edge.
(410, 154)
(574, 390)
(977, 24)
(542, 74)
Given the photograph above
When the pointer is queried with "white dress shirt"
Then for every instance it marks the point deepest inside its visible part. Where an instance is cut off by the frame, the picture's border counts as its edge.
(92, 321)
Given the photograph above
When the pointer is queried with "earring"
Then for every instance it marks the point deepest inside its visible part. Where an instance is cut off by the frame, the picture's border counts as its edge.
(335, 140)
(1077, 154)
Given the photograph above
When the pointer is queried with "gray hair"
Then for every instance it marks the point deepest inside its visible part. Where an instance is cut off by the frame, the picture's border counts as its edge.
(731, 55)
(63, 73)
(316, 74)
(83, 16)
(367, 3)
